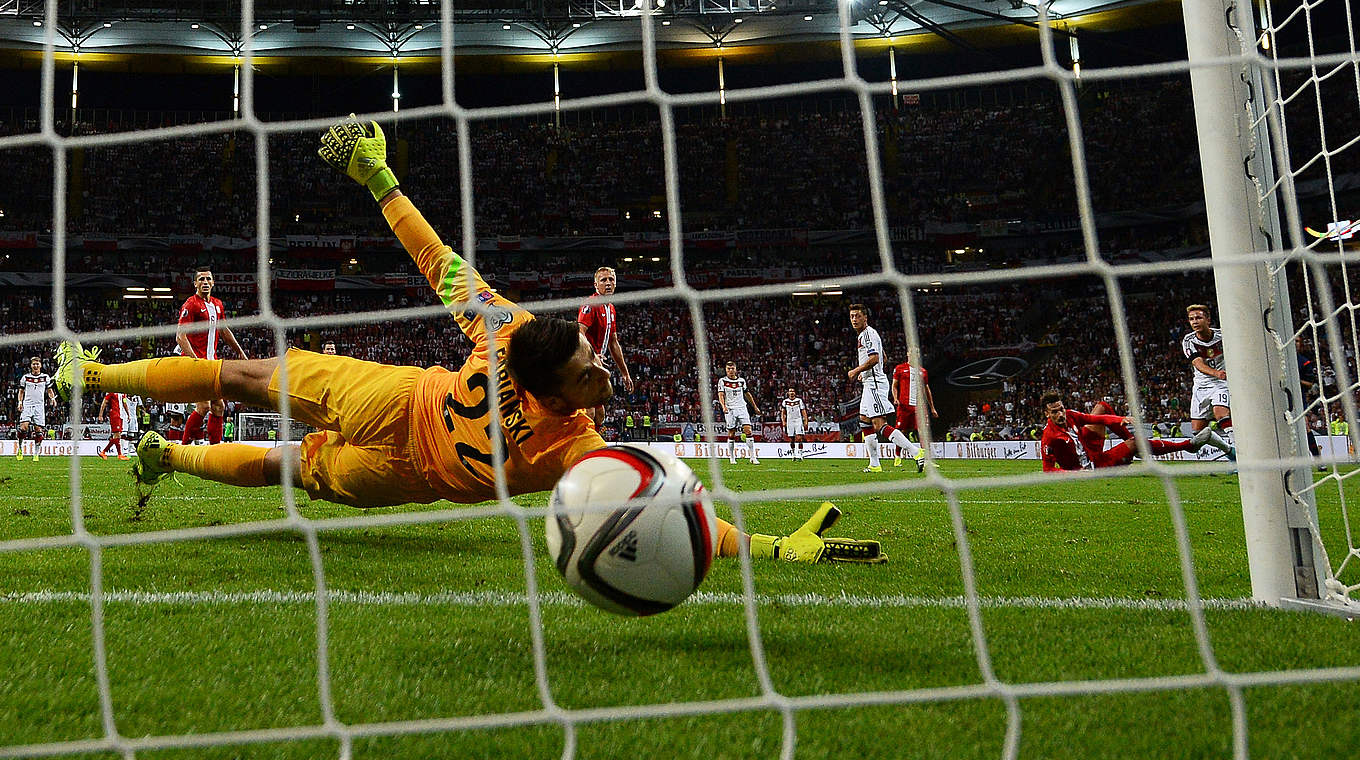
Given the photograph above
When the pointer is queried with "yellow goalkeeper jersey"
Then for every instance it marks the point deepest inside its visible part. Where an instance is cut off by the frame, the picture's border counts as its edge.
(451, 411)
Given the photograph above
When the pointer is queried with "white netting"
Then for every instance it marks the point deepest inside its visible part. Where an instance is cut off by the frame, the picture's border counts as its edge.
(1307, 114)
(1094, 265)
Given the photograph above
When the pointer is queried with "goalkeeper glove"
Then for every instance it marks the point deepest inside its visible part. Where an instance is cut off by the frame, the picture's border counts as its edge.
(361, 152)
(807, 545)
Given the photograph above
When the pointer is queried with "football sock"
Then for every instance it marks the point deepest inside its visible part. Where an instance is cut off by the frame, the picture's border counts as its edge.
(214, 428)
(751, 446)
(193, 427)
(895, 435)
(871, 442)
(236, 464)
(1225, 425)
(728, 536)
(175, 379)
(1160, 446)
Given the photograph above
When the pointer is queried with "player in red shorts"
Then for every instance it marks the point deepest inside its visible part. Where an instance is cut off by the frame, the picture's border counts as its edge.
(1094, 434)
(599, 323)
(1066, 445)
(917, 387)
(202, 307)
(113, 407)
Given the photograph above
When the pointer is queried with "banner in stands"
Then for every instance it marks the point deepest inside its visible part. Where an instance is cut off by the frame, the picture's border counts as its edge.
(224, 243)
(1027, 450)
(185, 243)
(1017, 450)
(234, 282)
(304, 279)
(95, 242)
(791, 237)
(18, 240)
(856, 450)
(328, 242)
(769, 432)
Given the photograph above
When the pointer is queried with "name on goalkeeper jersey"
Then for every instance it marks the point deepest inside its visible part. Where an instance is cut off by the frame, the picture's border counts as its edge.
(512, 416)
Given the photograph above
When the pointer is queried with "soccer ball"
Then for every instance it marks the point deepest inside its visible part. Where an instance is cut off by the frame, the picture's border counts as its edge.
(631, 530)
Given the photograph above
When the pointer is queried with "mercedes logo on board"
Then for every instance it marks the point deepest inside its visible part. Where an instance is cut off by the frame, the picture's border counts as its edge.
(985, 373)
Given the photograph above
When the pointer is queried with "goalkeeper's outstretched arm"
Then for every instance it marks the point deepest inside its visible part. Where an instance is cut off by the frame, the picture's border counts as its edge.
(360, 152)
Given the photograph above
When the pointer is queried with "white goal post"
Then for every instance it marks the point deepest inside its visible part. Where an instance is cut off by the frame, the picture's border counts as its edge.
(1286, 556)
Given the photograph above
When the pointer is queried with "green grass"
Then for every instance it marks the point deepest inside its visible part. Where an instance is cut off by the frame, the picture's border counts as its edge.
(237, 664)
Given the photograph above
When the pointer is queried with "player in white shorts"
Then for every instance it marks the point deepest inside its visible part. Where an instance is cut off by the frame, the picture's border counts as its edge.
(874, 404)
(35, 390)
(732, 399)
(1203, 346)
(794, 413)
(132, 416)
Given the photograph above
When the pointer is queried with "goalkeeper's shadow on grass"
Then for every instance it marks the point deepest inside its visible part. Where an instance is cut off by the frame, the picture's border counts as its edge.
(449, 544)
(673, 631)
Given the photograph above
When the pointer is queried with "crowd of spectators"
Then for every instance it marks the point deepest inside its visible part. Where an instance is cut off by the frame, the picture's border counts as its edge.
(805, 169)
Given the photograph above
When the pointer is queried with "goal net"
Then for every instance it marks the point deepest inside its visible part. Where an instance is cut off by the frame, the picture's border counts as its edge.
(1301, 166)
(267, 427)
(1281, 240)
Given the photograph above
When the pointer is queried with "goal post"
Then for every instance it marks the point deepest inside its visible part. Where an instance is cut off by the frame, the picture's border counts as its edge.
(1284, 550)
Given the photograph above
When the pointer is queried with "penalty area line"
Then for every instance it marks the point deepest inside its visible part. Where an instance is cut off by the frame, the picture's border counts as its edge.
(564, 599)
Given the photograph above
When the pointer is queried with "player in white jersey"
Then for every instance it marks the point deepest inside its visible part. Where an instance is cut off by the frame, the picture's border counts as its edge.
(132, 416)
(874, 404)
(732, 399)
(35, 390)
(794, 415)
(1203, 346)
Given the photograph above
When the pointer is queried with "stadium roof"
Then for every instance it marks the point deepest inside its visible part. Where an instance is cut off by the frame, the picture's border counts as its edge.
(412, 28)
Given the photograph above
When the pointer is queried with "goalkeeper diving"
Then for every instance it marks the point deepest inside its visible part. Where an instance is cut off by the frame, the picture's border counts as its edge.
(390, 435)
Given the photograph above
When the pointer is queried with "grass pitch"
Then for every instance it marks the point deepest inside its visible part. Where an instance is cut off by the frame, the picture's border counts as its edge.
(429, 629)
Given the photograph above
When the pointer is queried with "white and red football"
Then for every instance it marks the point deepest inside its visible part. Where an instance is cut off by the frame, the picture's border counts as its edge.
(631, 529)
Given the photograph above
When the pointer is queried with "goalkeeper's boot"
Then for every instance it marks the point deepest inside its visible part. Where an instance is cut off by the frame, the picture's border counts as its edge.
(920, 459)
(69, 356)
(360, 152)
(150, 467)
(873, 468)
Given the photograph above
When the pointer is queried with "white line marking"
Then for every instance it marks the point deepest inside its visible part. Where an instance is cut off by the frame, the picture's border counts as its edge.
(563, 599)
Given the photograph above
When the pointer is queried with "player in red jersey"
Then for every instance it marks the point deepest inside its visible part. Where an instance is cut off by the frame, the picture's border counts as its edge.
(906, 392)
(113, 407)
(1067, 446)
(599, 323)
(202, 343)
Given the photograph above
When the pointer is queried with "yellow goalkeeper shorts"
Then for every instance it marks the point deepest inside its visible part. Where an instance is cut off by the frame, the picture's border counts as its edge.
(361, 455)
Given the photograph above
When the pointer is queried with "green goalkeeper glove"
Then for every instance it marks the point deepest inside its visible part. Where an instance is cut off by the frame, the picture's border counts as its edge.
(360, 152)
(807, 545)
